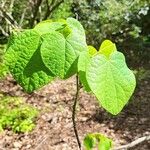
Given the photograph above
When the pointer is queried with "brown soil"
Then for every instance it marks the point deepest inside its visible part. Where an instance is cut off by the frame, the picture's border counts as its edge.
(54, 125)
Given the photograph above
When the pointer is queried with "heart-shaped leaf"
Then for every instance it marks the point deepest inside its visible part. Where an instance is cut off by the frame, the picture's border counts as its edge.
(104, 143)
(91, 141)
(107, 47)
(92, 50)
(50, 49)
(62, 48)
(25, 63)
(111, 81)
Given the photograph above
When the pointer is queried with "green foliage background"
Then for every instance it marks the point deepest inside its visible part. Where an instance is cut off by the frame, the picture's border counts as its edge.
(16, 114)
(124, 22)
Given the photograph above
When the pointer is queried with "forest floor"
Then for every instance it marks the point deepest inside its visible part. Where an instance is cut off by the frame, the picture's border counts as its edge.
(54, 129)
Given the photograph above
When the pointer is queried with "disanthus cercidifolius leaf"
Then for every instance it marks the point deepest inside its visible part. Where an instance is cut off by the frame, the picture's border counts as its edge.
(107, 47)
(96, 140)
(83, 61)
(104, 143)
(111, 81)
(63, 51)
(24, 60)
(89, 142)
(92, 51)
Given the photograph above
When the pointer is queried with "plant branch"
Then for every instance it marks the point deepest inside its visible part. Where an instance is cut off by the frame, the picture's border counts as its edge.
(9, 18)
(51, 8)
(22, 17)
(4, 32)
(11, 6)
(36, 9)
(134, 143)
(24, 13)
(74, 111)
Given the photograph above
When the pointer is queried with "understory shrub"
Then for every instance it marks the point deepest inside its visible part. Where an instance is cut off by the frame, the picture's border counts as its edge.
(16, 115)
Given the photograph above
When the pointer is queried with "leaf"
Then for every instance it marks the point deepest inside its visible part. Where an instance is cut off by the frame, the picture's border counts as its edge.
(104, 143)
(48, 26)
(25, 63)
(83, 60)
(50, 49)
(53, 52)
(89, 142)
(107, 47)
(111, 81)
(92, 50)
(93, 139)
(62, 48)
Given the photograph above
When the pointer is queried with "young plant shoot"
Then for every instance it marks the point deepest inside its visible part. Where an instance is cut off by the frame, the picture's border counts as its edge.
(58, 49)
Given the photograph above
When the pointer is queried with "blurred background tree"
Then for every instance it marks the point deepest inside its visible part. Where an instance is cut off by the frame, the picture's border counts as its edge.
(125, 22)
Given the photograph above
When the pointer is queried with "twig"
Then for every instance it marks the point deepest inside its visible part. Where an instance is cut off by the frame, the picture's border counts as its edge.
(11, 6)
(134, 143)
(22, 16)
(9, 18)
(4, 32)
(74, 111)
(3, 3)
(51, 8)
(36, 9)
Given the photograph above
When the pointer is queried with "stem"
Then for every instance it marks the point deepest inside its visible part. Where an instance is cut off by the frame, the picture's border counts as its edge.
(35, 12)
(9, 18)
(74, 111)
(51, 8)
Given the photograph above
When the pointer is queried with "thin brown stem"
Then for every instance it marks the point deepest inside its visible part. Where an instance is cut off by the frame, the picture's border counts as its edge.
(74, 111)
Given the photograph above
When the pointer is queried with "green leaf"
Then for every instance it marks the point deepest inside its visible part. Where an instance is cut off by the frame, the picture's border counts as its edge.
(62, 48)
(48, 26)
(111, 81)
(107, 47)
(25, 63)
(50, 49)
(104, 143)
(53, 52)
(92, 50)
(83, 60)
(89, 142)
(93, 139)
